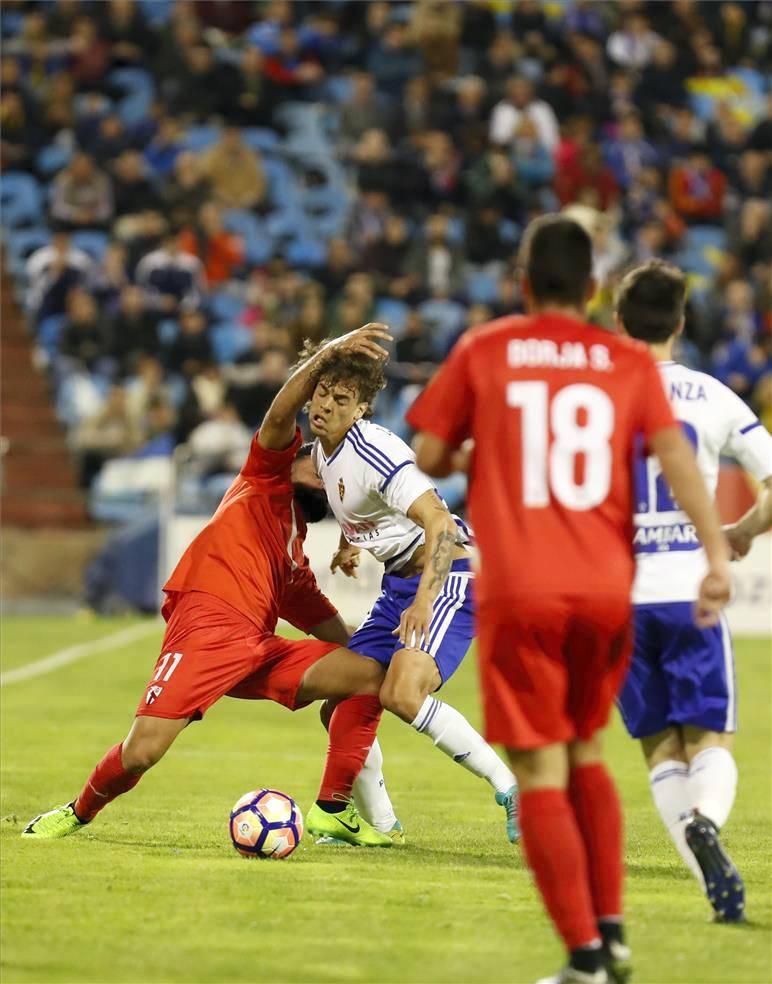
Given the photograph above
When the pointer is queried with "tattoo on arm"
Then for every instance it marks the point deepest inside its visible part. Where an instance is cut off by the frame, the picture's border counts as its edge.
(441, 559)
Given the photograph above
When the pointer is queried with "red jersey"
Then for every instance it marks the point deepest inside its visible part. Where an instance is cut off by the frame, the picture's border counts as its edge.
(250, 554)
(556, 408)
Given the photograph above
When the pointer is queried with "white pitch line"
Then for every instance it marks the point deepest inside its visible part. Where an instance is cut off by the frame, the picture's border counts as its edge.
(80, 651)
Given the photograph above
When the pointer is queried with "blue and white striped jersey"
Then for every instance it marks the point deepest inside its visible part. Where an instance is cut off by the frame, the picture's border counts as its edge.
(670, 561)
(371, 481)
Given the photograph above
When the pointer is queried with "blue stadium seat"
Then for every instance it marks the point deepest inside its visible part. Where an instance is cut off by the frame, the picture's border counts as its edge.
(481, 287)
(52, 159)
(20, 199)
(305, 253)
(168, 330)
(200, 137)
(224, 306)
(393, 313)
(49, 332)
(92, 242)
(261, 139)
(229, 341)
(444, 319)
(139, 90)
(21, 243)
(258, 246)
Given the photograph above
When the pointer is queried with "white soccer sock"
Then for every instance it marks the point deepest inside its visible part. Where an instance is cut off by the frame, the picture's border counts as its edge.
(713, 783)
(669, 783)
(454, 735)
(370, 792)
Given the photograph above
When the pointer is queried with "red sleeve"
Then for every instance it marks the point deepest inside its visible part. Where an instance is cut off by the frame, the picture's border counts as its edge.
(266, 464)
(444, 409)
(656, 414)
(303, 604)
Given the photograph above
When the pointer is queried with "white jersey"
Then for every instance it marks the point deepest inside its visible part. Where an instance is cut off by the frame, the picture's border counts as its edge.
(670, 559)
(371, 481)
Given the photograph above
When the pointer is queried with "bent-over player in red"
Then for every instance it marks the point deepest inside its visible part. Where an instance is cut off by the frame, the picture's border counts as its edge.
(556, 408)
(244, 571)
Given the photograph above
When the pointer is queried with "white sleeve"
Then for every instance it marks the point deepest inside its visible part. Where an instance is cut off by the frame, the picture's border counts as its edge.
(404, 486)
(748, 441)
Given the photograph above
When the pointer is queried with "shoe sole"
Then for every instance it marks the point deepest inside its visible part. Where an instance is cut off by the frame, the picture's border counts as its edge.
(724, 886)
(326, 835)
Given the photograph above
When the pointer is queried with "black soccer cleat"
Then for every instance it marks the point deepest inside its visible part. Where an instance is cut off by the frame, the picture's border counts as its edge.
(723, 884)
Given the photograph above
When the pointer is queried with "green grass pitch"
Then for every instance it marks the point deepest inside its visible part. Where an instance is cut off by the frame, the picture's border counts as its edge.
(153, 890)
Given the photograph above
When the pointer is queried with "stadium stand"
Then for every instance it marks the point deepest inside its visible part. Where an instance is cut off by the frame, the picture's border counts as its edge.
(189, 189)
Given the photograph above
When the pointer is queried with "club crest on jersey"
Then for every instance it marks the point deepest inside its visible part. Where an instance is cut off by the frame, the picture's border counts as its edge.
(153, 693)
(341, 489)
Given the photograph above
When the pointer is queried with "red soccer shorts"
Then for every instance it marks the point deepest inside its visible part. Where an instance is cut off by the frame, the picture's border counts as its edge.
(551, 667)
(211, 650)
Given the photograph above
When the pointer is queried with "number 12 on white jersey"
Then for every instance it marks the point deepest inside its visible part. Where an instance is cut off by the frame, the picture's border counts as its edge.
(552, 467)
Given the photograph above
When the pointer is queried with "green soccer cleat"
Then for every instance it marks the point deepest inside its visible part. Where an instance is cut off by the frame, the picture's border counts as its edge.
(56, 823)
(509, 801)
(397, 834)
(347, 826)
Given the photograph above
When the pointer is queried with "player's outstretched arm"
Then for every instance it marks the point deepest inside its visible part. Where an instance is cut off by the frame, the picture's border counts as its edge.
(437, 458)
(679, 467)
(757, 520)
(431, 513)
(278, 427)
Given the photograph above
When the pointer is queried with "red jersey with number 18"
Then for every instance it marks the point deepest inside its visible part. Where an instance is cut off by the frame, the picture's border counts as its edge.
(556, 408)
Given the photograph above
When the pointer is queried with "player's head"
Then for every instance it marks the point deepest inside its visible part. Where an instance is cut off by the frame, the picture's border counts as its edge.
(344, 393)
(310, 496)
(556, 260)
(650, 302)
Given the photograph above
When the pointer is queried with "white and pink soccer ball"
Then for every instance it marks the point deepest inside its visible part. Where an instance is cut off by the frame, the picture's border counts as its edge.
(266, 824)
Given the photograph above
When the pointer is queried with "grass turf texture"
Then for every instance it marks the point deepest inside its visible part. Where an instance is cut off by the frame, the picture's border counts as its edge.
(153, 891)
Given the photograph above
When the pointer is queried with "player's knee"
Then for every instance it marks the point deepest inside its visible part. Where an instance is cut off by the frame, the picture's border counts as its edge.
(141, 754)
(402, 698)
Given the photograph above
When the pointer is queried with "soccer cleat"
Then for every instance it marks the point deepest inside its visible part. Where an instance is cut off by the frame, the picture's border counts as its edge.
(510, 803)
(397, 834)
(570, 975)
(723, 884)
(347, 826)
(56, 823)
(617, 959)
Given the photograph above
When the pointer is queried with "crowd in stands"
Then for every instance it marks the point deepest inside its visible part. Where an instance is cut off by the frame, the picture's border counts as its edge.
(190, 189)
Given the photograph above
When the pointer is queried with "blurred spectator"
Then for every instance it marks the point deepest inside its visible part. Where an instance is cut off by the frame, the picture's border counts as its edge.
(220, 444)
(108, 433)
(493, 179)
(433, 263)
(133, 330)
(484, 243)
(170, 278)
(697, 188)
(661, 84)
(387, 255)
(123, 26)
(338, 266)
(520, 102)
(81, 196)
(84, 341)
(587, 179)
(252, 386)
(234, 172)
(362, 111)
(109, 140)
(311, 322)
(632, 46)
(191, 350)
(221, 253)
(112, 275)
(754, 175)
(393, 60)
(435, 27)
(52, 271)
(20, 134)
(163, 150)
(89, 54)
(414, 357)
(531, 157)
(133, 190)
(289, 67)
(186, 190)
(629, 153)
(145, 387)
(196, 91)
(253, 106)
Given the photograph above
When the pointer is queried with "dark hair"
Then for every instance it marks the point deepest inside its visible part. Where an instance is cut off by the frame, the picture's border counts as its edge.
(357, 372)
(556, 256)
(650, 301)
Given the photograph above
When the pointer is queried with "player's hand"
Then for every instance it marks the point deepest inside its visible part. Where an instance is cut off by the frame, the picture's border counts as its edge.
(414, 624)
(368, 340)
(346, 559)
(739, 541)
(715, 592)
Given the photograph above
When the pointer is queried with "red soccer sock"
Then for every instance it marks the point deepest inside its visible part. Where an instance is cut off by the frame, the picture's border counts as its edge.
(108, 780)
(351, 734)
(598, 814)
(556, 856)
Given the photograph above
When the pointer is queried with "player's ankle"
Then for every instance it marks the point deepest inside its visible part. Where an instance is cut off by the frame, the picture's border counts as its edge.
(331, 806)
(612, 930)
(587, 959)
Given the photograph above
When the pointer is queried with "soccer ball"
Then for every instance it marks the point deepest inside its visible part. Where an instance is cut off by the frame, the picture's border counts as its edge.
(266, 824)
